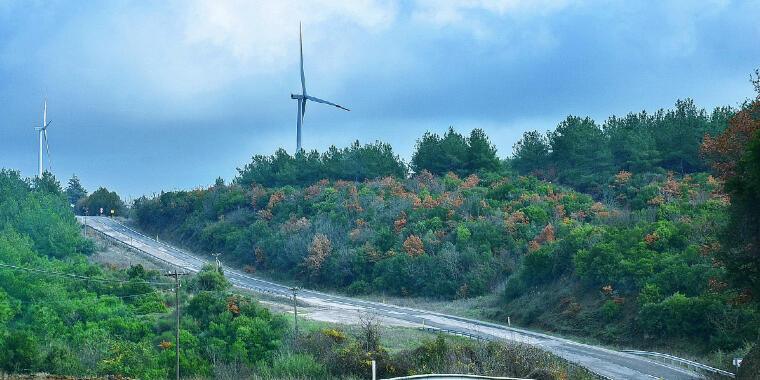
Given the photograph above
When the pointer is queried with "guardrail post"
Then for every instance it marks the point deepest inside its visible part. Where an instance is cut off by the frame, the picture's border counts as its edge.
(374, 371)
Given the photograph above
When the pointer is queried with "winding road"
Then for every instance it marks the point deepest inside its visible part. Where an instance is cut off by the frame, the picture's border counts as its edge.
(604, 362)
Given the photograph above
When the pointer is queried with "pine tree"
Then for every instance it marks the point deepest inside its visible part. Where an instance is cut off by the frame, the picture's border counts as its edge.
(75, 191)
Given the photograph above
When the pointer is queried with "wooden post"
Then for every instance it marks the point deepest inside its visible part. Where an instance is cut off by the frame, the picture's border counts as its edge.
(295, 308)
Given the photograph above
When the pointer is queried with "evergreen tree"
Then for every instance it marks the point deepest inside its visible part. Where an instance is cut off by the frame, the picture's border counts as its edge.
(75, 191)
(455, 153)
(48, 183)
(580, 153)
(531, 153)
(481, 155)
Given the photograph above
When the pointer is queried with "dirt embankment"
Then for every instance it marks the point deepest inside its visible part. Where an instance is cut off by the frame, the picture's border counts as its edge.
(119, 256)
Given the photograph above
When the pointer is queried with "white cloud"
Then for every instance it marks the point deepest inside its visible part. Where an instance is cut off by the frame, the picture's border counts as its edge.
(454, 12)
(263, 32)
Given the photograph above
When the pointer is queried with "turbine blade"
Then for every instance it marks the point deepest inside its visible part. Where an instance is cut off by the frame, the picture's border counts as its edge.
(318, 100)
(50, 165)
(300, 43)
(303, 109)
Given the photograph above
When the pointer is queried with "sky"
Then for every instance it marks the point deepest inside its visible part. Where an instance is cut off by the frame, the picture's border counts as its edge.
(148, 96)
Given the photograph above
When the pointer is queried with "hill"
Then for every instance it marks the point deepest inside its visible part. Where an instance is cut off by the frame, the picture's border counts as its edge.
(61, 314)
(633, 262)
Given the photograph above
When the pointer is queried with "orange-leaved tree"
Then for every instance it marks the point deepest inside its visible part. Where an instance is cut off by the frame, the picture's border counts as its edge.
(735, 158)
(413, 246)
(319, 250)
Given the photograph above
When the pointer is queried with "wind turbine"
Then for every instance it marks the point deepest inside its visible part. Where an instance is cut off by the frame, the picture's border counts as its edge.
(43, 133)
(302, 97)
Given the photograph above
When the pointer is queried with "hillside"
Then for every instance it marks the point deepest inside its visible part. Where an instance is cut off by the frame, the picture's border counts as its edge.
(633, 263)
(61, 314)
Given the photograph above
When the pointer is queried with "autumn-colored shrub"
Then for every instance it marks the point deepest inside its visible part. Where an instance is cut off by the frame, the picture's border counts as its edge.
(319, 249)
(413, 246)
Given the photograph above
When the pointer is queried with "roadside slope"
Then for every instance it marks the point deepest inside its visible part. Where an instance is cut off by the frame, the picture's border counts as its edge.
(606, 363)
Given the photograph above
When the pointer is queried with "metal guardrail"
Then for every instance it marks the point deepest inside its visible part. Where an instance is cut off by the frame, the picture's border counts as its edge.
(458, 333)
(682, 361)
(453, 376)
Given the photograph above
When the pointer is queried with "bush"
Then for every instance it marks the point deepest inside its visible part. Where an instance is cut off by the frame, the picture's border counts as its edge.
(297, 366)
(611, 310)
(359, 287)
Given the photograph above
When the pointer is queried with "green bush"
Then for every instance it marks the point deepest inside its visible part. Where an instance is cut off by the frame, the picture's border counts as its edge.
(359, 287)
(296, 366)
(610, 310)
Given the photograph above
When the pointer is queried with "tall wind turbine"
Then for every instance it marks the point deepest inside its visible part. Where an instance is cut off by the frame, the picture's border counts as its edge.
(43, 133)
(302, 97)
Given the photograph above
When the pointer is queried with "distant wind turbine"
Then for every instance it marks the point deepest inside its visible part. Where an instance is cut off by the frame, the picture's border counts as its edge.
(43, 133)
(302, 98)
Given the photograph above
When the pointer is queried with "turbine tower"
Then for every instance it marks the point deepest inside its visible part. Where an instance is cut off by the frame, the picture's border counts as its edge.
(302, 97)
(43, 133)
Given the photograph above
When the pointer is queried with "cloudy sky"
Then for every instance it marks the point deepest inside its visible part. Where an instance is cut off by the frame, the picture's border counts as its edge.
(146, 96)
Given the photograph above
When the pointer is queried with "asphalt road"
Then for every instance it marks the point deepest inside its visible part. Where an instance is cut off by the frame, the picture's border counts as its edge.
(605, 362)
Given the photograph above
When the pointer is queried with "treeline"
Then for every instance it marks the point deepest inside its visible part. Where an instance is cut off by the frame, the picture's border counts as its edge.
(583, 154)
(354, 163)
(101, 199)
(579, 152)
(438, 155)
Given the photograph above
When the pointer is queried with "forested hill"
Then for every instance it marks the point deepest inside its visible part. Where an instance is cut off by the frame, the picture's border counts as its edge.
(632, 260)
(60, 314)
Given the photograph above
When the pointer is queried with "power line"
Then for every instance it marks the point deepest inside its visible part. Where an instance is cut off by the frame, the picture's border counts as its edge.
(84, 278)
(141, 294)
(98, 298)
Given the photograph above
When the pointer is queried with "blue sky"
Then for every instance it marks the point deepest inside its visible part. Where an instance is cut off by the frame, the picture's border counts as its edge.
(146, 96)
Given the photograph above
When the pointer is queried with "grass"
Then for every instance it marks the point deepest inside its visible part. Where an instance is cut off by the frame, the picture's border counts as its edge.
(392, 338)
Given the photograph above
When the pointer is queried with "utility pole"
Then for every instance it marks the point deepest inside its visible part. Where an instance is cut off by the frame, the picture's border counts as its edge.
(85, 221)
(176, 275)
(295, 308)
(216, 256)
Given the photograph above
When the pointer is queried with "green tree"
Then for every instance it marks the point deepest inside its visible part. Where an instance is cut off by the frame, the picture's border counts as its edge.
(47, 183)
(211, 279)
(75, 191)
(632, 142)
(481, 154)
(107, 200)
(580, 153)
(531, 153)
(454, 153)
(679, 133)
